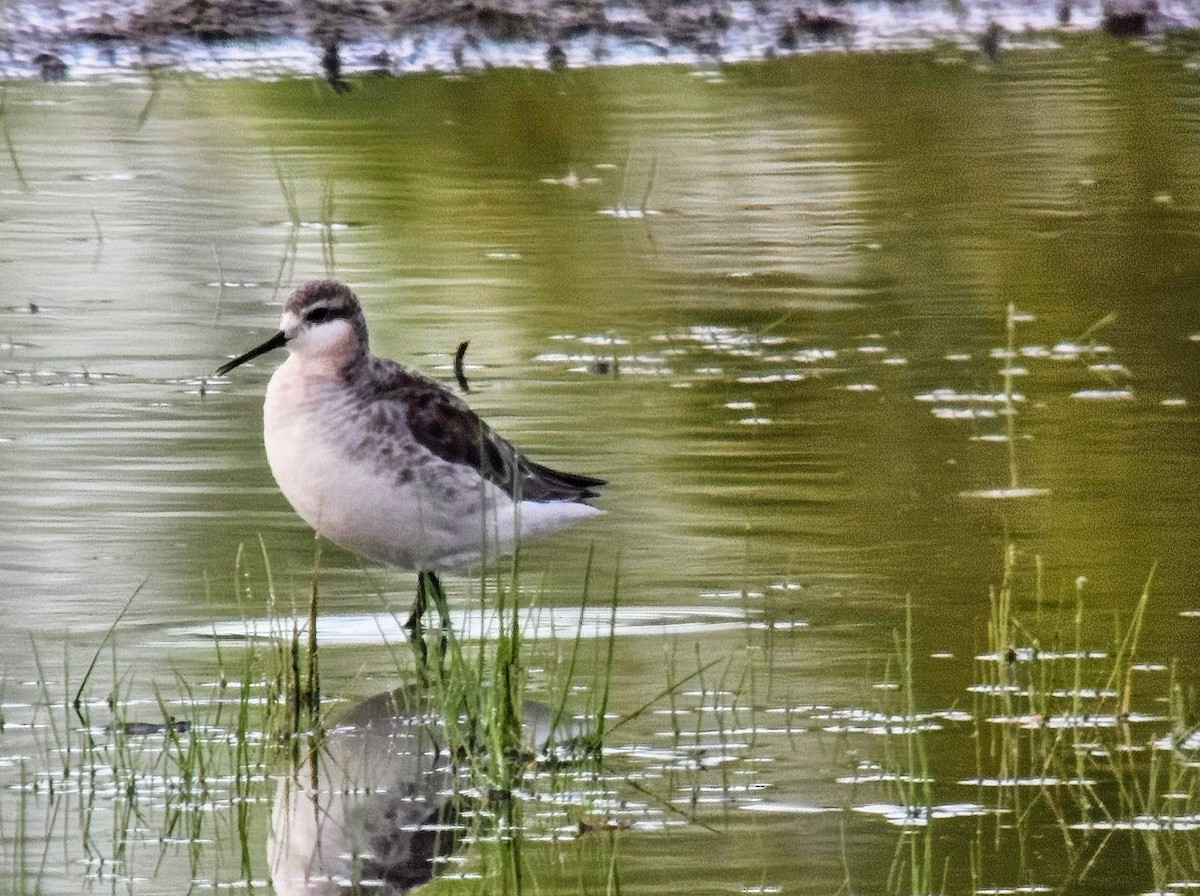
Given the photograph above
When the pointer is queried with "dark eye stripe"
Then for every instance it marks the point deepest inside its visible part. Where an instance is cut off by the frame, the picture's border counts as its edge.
(322, 314)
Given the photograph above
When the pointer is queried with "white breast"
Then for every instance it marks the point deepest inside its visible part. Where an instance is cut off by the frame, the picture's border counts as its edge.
(302, 456)
(444, 517)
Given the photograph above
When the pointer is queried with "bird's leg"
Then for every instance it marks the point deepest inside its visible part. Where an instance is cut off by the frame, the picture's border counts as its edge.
(429, 587)
(416, 633)
(418, 608)
(434, 585)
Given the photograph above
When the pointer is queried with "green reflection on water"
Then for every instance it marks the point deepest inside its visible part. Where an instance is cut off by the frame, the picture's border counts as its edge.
(779, 261)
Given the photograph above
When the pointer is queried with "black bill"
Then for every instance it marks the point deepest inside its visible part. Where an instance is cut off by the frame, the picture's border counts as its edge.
(271, 344)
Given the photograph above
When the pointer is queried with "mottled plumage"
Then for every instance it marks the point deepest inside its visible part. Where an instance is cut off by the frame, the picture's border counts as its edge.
(388, 463)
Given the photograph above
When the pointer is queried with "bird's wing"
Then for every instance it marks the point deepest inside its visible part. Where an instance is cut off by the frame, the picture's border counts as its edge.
(443, 424)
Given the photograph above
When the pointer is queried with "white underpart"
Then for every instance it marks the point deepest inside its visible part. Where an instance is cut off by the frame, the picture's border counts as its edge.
(361, 505)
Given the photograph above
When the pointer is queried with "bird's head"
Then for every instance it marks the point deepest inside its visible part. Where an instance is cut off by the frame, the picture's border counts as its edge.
(322, 322)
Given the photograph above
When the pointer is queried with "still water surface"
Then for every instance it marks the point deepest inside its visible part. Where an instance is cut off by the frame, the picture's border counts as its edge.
(768, 304)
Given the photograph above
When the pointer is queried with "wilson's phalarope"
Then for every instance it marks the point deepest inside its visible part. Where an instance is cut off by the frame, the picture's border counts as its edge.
(389, 464)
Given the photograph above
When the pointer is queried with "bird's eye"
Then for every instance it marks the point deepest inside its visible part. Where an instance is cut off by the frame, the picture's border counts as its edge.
(317, 315)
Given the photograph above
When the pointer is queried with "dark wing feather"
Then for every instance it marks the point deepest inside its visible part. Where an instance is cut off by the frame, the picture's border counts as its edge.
(444, 425)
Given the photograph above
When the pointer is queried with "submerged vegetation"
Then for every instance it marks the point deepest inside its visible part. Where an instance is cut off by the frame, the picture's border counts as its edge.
(1082, 751)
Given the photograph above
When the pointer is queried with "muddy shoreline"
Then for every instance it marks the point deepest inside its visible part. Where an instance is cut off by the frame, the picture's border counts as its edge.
(337, 38)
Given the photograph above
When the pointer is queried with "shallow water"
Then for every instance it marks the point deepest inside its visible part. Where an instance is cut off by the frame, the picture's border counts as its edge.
(767, 303)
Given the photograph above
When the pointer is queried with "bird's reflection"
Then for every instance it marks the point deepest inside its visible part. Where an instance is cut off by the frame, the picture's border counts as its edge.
(370, 807)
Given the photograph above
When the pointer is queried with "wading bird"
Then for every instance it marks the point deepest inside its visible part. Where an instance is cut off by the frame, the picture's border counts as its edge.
(389, 464)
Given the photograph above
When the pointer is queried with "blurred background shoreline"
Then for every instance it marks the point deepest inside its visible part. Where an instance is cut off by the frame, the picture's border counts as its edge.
(279, 38)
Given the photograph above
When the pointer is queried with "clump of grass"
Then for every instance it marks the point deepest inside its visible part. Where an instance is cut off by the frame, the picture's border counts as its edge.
(187, 784)
(912, 868)
(1058, 730)
(480, 690)
(186, 787)
(475, 692)
(480, 693)
(288, 656)
(1071, 738)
